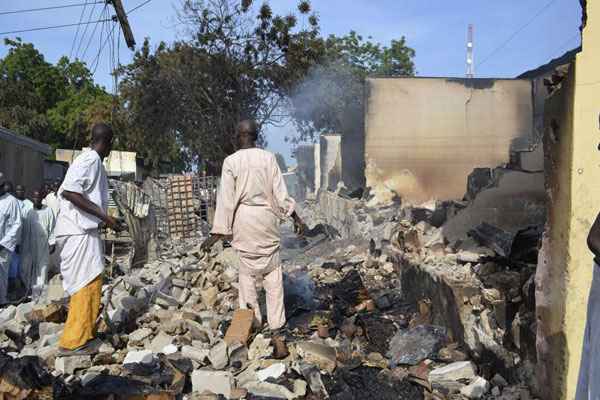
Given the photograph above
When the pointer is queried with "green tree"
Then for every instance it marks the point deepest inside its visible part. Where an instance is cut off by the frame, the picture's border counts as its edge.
(239, 61)
(54, 104)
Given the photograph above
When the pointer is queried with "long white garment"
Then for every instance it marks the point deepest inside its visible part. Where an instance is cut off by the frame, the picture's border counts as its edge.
(81, 259)
(77, 236)
(10, 226)
(10, 222)
(38, 236)
(16, 259)
(588, 386)
(5, 257)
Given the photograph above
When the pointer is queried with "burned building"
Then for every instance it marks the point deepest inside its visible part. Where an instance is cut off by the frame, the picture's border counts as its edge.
(22, 159)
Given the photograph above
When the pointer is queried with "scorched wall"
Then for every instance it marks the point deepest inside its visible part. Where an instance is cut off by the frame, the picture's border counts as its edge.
(423, 136)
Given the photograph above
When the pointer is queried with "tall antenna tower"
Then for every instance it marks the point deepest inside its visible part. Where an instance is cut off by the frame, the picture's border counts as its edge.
(470, 60)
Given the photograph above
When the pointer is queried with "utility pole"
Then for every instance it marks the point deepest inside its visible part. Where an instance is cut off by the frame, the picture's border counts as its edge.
(470, 59)
(122, 17)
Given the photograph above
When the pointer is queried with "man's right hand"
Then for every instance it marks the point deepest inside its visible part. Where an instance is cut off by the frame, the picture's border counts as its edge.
(113, 223)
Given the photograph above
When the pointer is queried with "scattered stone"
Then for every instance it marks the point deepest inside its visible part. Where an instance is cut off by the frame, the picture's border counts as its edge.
(260, 348)
(453, 377)
(194, 353)
(160, 341)
(138, 336)
(274, 371)
(209, 297)
(49, 328)
(8, 313)
(317, 354)
(139, 357)
(476, 389)
(272, 390)
(241, 327)
(217, 382)
(169, 349)
(218, 355)
(415, 345)
(68, 365)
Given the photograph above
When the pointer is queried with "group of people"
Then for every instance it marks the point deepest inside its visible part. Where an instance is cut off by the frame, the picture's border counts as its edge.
(251, 203)
(27, 239)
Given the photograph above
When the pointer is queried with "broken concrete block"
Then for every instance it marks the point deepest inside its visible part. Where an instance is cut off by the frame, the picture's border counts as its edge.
(274, 371)
(493, 237)
(199, 332)
(271, 390)
(218, 355)
(415, 345)
(50, 340)
(209, 297)
(194, 353)
(217, 382)
(139, 357)
(138, 336)
(8, 313)
(48, 354)
(169, 349)
(317, 354)
(453, 377)
(68, 365)
(22, 311)
(476, 389)
(49, 328)
(241, 327)
(260, 348)
(160, 341)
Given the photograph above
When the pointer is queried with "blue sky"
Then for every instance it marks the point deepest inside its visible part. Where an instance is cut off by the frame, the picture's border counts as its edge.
(436, 29)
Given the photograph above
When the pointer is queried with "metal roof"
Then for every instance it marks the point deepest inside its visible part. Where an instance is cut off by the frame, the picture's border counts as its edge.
(21, 140)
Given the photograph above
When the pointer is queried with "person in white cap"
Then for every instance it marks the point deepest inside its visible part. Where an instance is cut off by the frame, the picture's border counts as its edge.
(10, 226)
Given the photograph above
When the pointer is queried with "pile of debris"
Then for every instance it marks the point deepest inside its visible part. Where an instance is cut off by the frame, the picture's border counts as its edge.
(396, 312)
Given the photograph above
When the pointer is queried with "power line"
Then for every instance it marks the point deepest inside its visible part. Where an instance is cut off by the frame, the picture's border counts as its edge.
(85, 30)
(53, 27)
(48, 8)
(511, 37)
(77, 32)
(138, 6)
(104, 14)
(96, 61)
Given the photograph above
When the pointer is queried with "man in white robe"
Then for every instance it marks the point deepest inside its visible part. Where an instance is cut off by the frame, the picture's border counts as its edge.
(51, 199)
(83, 208)
(10, 225)
(37, 245)
(26, 205)
(251, 203)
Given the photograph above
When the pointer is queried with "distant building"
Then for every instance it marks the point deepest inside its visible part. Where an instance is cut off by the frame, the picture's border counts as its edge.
(22, 159)
(120, 164)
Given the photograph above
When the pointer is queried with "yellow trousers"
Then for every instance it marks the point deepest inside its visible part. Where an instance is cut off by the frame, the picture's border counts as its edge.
(84, 307)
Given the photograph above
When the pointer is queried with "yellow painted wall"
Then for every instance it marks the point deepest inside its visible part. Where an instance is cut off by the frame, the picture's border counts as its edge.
(572, 167)
(585, 188)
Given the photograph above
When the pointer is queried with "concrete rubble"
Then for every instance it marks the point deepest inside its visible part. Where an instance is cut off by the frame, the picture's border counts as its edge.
(379, 305)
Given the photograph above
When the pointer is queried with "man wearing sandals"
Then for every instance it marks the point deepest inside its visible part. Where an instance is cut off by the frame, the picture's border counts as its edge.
(251, 202)
(83, 202)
